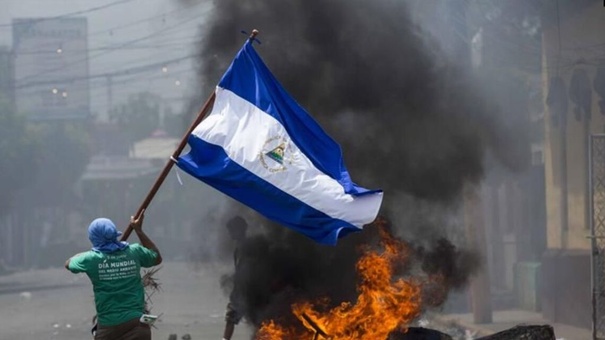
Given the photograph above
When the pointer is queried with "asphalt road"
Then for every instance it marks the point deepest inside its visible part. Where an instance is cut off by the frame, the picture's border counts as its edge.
(55, 304)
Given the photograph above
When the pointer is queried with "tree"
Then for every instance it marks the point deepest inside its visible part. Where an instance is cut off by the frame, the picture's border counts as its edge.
(61, 159)
(139, 116)
(18, 151)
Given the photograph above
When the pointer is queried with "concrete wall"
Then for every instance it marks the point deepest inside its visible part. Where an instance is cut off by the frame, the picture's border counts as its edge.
(573, 41)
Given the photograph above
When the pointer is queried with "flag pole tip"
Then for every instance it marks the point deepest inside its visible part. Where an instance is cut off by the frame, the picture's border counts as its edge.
(254, 34)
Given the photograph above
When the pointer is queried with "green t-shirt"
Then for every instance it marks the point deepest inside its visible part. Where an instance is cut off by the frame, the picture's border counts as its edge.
(116, 280)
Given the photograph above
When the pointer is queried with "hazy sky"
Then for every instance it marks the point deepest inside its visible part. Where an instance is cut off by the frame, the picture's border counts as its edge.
(137, 33)
(124, 34)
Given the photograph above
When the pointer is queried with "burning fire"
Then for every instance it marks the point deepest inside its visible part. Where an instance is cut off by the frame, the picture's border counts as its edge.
(384, 304)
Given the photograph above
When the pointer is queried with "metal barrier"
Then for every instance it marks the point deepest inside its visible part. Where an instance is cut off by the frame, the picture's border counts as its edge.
(596, 184)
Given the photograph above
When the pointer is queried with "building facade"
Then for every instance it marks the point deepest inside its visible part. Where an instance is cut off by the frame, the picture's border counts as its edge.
(573, 52)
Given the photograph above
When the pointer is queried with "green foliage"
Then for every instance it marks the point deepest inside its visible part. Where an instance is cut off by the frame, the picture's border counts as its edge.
(43, 161)
(62, 159)
(18, 150)
(139, 116)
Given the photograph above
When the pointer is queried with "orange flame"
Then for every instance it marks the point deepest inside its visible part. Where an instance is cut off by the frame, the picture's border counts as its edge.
(383, 304)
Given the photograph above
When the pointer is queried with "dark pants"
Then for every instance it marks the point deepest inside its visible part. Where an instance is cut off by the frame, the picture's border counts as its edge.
(129, 330)
(233, 314)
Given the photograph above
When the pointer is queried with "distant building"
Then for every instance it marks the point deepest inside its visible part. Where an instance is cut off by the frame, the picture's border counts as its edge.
(159, 146)
(110, 140)
(51, 68)
(113, 184)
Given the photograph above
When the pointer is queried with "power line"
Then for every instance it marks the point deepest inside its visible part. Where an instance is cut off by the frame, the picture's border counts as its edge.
(125, 46)
(66, 15)
(148, 58)
(129, 71)
(148, 78)
(98, 90)
(145, 74)
(134, 23)
(130, 24)
(118, 46)
(183, 41)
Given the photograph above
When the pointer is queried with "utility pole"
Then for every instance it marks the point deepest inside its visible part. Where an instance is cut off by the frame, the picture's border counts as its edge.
(109, 94)
(480, 295)
(7, 77)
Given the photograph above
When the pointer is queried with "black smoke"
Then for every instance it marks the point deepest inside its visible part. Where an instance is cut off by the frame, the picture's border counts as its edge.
(409, 119)
(280, 268)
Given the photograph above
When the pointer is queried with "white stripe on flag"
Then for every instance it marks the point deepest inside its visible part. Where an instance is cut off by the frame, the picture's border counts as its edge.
(246, 133)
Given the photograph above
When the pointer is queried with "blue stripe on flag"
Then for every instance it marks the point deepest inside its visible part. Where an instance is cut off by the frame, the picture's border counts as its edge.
(250, 79)
(210, 163)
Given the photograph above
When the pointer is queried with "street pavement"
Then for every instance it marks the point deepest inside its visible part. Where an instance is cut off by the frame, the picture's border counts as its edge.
(56, 304)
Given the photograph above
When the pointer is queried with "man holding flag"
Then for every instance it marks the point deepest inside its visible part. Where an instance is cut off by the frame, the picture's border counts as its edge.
(114, 270)
(261, 148)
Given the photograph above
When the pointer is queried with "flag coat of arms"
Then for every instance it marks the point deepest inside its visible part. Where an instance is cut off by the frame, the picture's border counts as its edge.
(261, 148)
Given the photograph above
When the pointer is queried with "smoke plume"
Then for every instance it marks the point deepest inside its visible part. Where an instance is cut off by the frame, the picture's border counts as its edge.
(278, 269)
(409, 120)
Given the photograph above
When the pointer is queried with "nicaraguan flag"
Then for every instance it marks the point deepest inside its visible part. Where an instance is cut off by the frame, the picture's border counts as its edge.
(261, 148)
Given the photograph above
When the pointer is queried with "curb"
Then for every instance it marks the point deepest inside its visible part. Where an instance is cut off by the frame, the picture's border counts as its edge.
(32, 288)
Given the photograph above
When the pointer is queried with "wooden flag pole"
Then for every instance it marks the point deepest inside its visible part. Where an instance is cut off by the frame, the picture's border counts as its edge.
(175, 155)
(169, 164)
